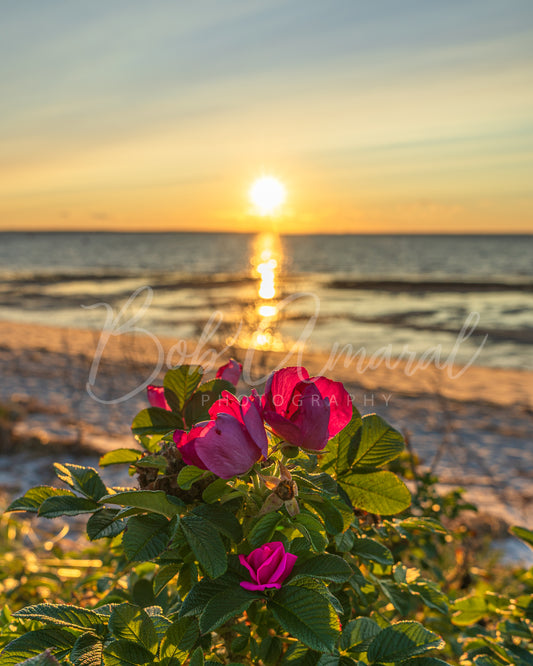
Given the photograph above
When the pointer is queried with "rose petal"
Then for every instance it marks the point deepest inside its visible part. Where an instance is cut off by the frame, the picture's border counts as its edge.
(187, 447)
(252, 419)
(251, 570)
(231, 372)
(225, 448)
(227, 404)
(156, 397)
(341, 407)
(283, 427)
(280, 386)
(313, 419)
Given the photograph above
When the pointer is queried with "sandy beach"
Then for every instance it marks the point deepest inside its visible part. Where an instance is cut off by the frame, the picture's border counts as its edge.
(472, 425)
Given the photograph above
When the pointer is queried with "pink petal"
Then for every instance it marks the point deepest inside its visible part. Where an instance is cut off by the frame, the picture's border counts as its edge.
(231, 372)
(225, 448)
(341, 408)
(268, 572)
(280, 386)
(179, 437)
(156, 397)
(288, 564)
(312, 419)
(252, 419)
(251, 570)
(283, 427)
(227, 404)
(187, 447)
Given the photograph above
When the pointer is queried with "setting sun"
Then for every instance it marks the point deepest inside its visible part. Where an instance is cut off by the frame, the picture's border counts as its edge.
(267, 194)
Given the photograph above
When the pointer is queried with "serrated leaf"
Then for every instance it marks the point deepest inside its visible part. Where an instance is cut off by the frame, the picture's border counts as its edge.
(85, 480)
(156, 421)
(179, 638)
(103, 523)
(154, 462)
(379, 443)
(468, 610)
(58, 641)
(221, 519)
(127, 653)
(402, 640)
(164, 576)
(431, 595)
(132, 623)
(263, 529)
(377, 492)
(205, 396)
(329, 513)
(120, 456)
(180, 383)
(359, 633)
(371, 550)
(149, 500)
(299, 655)
(87, 651)
(146, 537)
(522, 533)
(197, 658)
(66, 505)
(61, 615)
(313, 530)
(306, 615)
(34, 497)
(224, 606)
(215, 491)
(189, 475)
(426, 661)
(339, 454)
(326, 566)
(206, 544)
(414, 524)
(202, 592)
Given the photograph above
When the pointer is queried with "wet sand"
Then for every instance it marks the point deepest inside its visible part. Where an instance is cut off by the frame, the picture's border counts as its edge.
(472, 426)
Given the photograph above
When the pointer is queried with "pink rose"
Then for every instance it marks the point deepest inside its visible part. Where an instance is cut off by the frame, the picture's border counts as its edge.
(231, 442)
(231, 372)
(269, 565)
(305, 411)
(156, 397)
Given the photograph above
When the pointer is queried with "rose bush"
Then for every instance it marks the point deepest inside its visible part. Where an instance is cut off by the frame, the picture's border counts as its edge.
(230, 552)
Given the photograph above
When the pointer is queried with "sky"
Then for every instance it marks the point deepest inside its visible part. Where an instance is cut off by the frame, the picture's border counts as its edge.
(411, 116)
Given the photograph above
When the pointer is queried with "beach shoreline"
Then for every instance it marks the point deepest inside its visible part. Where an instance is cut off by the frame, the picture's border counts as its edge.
(473, 426)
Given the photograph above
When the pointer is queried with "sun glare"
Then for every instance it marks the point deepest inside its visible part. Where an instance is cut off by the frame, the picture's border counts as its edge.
(267, 194)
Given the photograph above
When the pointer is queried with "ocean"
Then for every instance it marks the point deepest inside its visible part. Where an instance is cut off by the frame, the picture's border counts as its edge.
(438, 297)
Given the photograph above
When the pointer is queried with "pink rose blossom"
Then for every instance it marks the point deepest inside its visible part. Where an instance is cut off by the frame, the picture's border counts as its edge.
(231, 442)
(156, 397)
(305, 411)
(269, 565)
(231, 372)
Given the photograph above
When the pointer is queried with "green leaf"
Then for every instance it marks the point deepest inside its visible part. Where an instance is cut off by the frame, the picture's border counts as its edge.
(197, 409)
(133, 624)
(402, 640)
(377, 492)
(86, 480)
(523, 533)
(146, 537)
(103, 523)
(329, 513)
(417, 524)
(371, 550)
(203, 592)
(306, 615)
(154, 462)
(119, 457)
(149, 500)
(66, 505)
(359, 633)
(339, 454)
(299, 655)
(127, 653)
(206, 544)
(189, 475)
(61, 615)
(224, 606)
(468, 610)
(215, 491)
(431, 595)
(180, 383)
(164, 576)
(313, 530)
(156, 421)
(221, 519)
(379, 443)
(87, 651)
(179, 639)
(34, 497)
(59, 641)
(428, 661)
(197, 658)
(326, 566)
(263, 529)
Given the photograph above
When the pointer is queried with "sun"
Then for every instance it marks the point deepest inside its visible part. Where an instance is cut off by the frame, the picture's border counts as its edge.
(267, 194)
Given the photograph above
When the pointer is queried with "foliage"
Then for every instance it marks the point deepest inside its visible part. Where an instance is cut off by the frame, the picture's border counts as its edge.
(365, 576)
